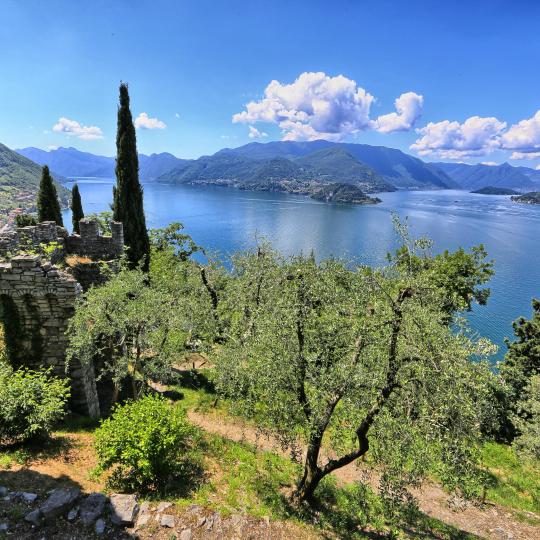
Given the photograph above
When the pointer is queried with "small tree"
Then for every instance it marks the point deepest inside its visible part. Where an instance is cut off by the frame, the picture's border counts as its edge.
(76, 208)
(521, 363)
(130, 323)
(527, 420)
(128, 194)
(48, 205)
(347, 361)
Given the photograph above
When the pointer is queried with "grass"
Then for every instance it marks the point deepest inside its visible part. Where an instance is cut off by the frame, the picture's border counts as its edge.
(514, 481)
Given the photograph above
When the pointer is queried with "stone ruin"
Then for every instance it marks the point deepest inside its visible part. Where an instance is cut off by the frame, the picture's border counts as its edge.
(38, 299)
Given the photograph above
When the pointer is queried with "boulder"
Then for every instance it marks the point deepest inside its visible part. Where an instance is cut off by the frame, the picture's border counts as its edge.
(92, 508)
(124, 509)
(186, 534)
(59, 502)
(167, 520)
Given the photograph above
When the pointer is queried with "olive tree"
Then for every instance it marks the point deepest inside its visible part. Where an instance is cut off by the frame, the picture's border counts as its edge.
(344, 361)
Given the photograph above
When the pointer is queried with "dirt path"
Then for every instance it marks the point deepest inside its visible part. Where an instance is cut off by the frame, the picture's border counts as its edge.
(491, 521)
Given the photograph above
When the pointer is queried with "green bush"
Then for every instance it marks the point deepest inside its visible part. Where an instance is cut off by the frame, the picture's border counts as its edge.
(31, 403)
(24, 220)
(146, 443)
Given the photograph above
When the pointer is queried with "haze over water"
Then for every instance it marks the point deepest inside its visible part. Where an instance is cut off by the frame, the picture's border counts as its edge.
(225, 220)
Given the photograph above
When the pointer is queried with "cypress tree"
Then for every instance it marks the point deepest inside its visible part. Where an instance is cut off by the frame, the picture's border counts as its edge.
(76, 208)
(48, 205)
(128, 194)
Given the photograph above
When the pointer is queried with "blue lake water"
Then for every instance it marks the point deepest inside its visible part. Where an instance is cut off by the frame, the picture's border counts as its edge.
(225, 220)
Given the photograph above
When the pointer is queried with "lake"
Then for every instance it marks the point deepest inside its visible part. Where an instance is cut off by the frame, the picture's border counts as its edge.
(225, 220)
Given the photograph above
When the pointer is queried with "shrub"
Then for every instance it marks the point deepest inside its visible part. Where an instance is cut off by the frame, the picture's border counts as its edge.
(31, 403)
(146, 443)
(24, 220)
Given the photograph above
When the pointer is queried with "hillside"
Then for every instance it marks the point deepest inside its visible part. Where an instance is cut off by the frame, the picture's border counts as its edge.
(70, 162)
(528, 198)
(277, 172)
(395, 167)
(472, 177)
(19, 181)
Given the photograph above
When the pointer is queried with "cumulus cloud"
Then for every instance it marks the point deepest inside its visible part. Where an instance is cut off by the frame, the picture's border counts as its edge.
(254, 133)
(476, 136)
(314, 106)
(524, 137)
(408, 111)
(524, 155)
(75, 129)
(490, 163)
(143, 121)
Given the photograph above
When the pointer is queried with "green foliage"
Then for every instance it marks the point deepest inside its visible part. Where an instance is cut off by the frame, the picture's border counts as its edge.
(31, 403)
(128, 193)
(25, 220)
(527, 420)
(132, 325)
(76, 208)
(360, 359)
(172, 238)
(48, 205)
(146, 443)
(103, 220)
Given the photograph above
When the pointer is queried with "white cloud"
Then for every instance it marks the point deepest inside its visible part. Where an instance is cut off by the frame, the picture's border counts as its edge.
(451, 140)
(176, 115)
(143, 121)
(537, 167)
(52, 147)
(524, 137)
(314, 106)
(490, 163)
(254, 133)
(409, 109)
(75, 129)
(524, 155)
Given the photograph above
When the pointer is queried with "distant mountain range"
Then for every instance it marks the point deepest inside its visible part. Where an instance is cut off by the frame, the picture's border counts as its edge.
(296, 167)
(19, 182)
(70, 162)
(265, 166)
(474, 177)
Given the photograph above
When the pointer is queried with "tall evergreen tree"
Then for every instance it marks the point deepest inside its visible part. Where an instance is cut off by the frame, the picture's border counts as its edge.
(47, 204)
(128, 193)
(76, 208)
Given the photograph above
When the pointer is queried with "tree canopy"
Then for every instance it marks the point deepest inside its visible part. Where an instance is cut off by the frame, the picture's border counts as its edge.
(48, 206)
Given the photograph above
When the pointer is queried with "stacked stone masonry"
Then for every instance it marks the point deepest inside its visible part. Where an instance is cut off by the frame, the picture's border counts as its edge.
(43, 298)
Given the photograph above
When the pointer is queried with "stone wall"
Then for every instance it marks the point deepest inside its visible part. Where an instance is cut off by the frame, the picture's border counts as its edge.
(42, 299)
(89, 243)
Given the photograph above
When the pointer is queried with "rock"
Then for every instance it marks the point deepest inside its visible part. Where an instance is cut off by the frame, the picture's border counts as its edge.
(72, 515)
(142, 520)
(3, 491)
(167, 520)
(144, 508)
(194, 509)
(186, 534)
(163, 506)
(500, 534)
(59, 502)
(99, 527)
(124, 509)
(4, 527)
(34, 517)
(28, 497)
(201, 521)
(92, 508)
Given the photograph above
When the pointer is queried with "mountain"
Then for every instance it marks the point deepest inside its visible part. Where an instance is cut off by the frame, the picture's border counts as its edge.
(472, 177)
(19, 182)
(71, 162)
(395, 167)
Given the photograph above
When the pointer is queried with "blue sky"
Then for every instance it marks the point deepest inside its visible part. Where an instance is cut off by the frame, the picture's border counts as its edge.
(467, 73)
